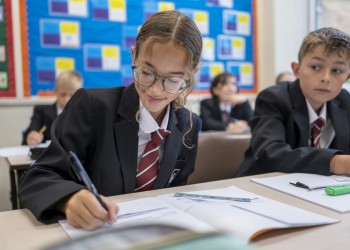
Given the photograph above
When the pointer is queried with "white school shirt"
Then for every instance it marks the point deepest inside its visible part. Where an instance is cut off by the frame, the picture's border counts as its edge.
(327, 132)
(147, 125)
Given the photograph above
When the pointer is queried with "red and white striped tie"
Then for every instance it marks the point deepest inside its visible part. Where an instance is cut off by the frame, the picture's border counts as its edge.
(148, 167)
(316, 132)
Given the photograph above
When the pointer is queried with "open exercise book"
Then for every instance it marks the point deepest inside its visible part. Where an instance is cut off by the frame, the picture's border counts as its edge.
(316, 183)
(244, 220)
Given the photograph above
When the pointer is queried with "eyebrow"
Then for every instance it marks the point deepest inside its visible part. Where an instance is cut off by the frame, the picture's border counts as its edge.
(170, 73)
(323, 60)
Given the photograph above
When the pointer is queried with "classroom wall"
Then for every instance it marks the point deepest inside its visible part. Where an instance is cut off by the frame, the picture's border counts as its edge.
(281, 26)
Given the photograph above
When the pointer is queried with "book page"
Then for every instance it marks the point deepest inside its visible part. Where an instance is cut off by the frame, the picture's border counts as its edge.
(245, 219)
(142, 211)
(281, 183)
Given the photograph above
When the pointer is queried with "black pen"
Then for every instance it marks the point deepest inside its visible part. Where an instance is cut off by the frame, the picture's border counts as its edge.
(299, 184)
(83, 176)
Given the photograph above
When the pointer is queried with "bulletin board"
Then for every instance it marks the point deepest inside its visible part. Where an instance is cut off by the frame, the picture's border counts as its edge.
(94, 37)
(7, 76)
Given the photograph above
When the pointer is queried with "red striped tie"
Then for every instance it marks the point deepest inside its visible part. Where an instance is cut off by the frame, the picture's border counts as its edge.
(148, 167)
(316, 132)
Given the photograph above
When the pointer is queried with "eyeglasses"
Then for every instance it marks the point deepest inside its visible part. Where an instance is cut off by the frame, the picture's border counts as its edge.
(146, 77)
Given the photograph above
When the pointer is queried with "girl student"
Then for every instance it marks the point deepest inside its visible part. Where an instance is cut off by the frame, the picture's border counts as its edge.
(109, 130)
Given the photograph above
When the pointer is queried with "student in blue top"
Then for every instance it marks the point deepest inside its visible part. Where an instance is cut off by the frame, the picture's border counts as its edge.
(108, 129)
(304, 126)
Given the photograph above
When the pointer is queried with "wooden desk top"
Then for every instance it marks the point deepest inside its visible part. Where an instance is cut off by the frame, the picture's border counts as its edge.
(19, 162)
(20, 230)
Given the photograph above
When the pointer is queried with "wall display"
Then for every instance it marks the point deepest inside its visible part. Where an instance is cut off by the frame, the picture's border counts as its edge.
(7, 74)
(94, 37)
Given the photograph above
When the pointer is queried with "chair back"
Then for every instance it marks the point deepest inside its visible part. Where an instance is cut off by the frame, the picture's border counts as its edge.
(219, 155)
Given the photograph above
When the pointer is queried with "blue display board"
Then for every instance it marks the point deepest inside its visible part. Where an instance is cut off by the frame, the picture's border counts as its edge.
(94, 37)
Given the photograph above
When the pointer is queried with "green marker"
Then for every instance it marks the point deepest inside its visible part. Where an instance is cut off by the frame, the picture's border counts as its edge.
(337, 190)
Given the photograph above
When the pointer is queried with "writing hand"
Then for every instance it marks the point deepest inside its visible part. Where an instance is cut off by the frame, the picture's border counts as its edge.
(83, 210)
(34, 138)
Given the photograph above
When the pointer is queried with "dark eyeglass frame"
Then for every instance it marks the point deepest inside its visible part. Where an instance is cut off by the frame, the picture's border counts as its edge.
(163, 78)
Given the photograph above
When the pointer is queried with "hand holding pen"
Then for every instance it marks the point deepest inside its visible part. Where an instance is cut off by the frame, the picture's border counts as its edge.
(86, 208)
(36, 137)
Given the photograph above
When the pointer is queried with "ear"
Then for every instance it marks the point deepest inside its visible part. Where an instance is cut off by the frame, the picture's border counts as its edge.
(295, 68)
(196, 69)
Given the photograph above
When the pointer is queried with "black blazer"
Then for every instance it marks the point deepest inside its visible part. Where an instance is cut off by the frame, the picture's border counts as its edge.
(42, 115)
(280, 133)
(211, 114)
(99, 125)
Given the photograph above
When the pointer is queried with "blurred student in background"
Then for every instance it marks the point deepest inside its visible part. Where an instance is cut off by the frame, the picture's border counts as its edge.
(226, 109)
(43, 116)
(285, 76)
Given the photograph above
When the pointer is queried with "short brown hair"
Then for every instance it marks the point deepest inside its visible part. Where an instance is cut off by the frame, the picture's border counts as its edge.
(333, 40)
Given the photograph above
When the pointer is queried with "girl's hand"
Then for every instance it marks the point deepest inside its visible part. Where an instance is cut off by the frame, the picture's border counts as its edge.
(83, 210)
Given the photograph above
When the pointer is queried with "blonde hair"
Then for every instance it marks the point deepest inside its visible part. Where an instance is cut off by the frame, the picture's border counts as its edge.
(69, 79)
(333, 40)
(181, 31)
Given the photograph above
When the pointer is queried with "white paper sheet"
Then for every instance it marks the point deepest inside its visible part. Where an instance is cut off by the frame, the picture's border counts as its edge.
(281, 183)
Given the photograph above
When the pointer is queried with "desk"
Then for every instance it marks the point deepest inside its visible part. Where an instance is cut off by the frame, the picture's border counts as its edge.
(17, 165)
(20, 230)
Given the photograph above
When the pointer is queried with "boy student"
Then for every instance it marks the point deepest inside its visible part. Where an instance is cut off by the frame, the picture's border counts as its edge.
(226, 109)
(304, 126)
(38, 131)
(115, 131)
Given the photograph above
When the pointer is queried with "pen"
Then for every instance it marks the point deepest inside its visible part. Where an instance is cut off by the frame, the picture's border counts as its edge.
(42, 130)
(299, 184)
(302, 185)
(83, 176)
(213, 197)
(133, 214)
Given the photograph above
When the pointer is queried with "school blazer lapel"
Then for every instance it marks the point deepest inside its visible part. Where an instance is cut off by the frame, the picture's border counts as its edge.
(300, 114)
(340, 123)
(126, 136)
(172, 143)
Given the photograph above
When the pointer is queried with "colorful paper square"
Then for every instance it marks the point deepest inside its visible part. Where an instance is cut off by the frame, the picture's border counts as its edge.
(236, 22)
(68, 7)
(57, 33)
(243, 72)
(109, 10)
(102, 57)
(231, 47)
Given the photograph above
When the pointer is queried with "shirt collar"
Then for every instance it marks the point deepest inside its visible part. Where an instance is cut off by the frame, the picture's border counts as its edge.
(59, 109)
(147, 122)
(312, 114)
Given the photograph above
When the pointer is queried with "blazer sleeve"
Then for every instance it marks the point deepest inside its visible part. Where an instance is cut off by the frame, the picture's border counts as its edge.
(270, 151)
(210, 117)
(51, 179)
(243, 111)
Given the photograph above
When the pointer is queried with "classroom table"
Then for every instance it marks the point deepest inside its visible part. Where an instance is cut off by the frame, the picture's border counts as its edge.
(18, 164)
(20, 230)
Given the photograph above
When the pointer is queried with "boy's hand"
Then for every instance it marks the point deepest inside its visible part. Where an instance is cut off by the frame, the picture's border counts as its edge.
(340, 165)
(34, 138)
(82, 209)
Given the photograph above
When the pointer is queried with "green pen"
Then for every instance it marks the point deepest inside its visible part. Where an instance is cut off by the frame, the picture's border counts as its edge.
(333, 191)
